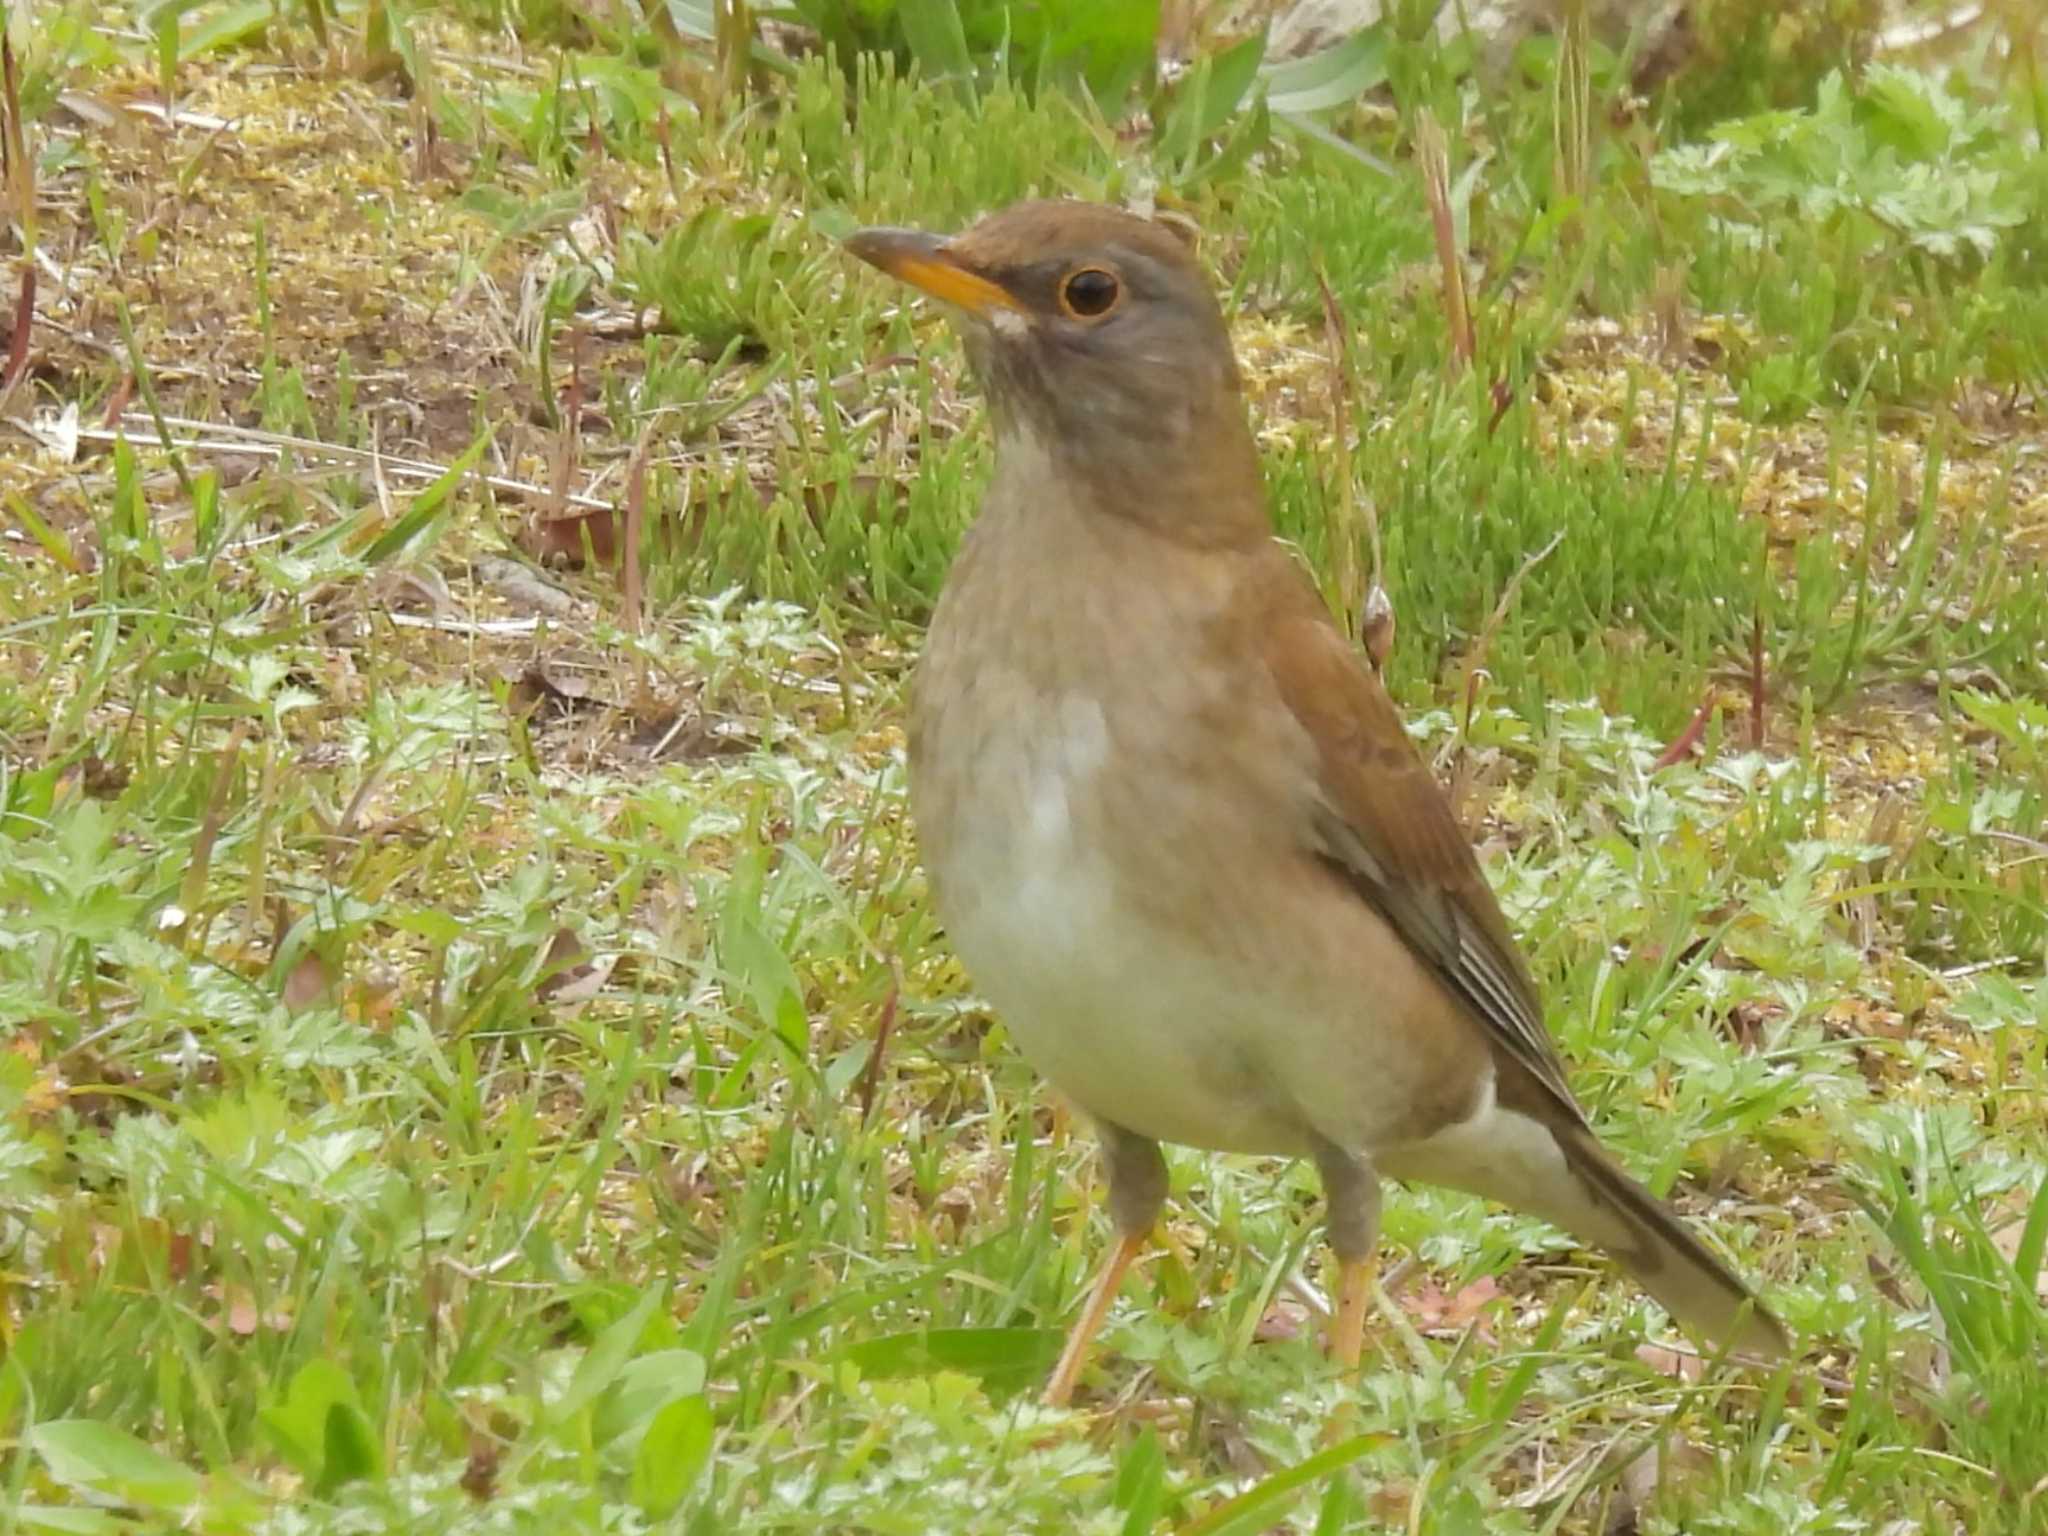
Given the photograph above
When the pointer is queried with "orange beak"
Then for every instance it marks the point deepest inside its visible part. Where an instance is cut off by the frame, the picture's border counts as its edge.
(924, 262)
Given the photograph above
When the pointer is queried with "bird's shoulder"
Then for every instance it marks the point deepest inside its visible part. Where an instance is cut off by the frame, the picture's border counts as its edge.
(1368, 770)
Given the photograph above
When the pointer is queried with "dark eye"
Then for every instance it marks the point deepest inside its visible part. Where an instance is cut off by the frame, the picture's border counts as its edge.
(1090, 292)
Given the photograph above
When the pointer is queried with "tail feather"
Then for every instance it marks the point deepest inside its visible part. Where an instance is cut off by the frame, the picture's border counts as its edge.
(1558, 1170)
(1647, 1238)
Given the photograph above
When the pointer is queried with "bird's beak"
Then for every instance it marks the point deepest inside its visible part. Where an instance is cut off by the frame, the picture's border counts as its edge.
(925, 262)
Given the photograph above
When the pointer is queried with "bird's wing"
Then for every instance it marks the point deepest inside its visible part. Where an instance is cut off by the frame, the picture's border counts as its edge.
(1380, 821)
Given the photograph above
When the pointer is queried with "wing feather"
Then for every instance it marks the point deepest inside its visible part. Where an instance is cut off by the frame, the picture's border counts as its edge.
(1380, 820)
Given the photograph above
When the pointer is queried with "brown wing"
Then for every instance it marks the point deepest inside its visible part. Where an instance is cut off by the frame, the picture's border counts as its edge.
(1384, 825)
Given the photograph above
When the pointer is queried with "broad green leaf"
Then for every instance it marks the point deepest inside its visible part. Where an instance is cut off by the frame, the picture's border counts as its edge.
(351, 1449)
(755, 964)
(1252, 131)
(937, 40)
(1259, 1506)
(647, 1384)
(319, 1426)
(694, 18)
(1001, 1357)
(1308, 128)
(2027, 1255)
(1141, 1484)
(87, 1454)
(1203, 101)
(399, 33)
(54, 544)
(68, 1521)
(672, 1456)
(1232, 74)
(155, 13)
(1116, 43)
(227, 28)
(607, 1356)
(844, 1069)
(1331, 77)
(1335, 1515)
(426, 507)
(733, 1085)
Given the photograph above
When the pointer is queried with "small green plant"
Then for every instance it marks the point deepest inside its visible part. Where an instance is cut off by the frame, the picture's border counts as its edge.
(1893, 164)
(1794, 212)
(729, 282)
(1975, 1242)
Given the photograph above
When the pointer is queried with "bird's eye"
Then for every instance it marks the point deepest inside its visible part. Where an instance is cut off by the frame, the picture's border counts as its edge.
(1090, 293)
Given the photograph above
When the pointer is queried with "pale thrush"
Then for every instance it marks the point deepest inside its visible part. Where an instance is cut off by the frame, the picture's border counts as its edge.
(1172, 821)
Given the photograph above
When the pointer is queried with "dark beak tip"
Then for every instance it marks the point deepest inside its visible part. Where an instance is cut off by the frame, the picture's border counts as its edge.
(882, 246)
(930, 264)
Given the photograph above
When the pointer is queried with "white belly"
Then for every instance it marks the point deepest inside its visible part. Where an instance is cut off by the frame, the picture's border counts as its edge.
(1133, 1018)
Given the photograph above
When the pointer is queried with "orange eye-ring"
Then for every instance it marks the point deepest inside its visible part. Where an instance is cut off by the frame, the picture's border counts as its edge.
(1090, 293)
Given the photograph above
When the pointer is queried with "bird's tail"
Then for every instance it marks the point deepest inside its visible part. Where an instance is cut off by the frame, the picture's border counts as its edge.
(1556, 1169)
(1603, 1205)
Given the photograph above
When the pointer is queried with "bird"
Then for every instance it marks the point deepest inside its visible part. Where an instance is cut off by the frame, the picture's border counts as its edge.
(1171, 820)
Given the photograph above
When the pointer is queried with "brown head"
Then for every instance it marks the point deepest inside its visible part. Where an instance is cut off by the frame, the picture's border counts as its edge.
(1097, 338)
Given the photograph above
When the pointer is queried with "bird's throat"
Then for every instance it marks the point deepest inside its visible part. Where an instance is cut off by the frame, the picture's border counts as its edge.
(1203, 487)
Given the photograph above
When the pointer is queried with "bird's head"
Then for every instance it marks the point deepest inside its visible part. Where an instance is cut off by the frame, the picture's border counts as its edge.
(1097, 338)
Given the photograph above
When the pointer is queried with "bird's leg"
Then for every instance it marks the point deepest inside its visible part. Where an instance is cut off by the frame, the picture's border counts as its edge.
(1137, 1189)
(1079, 1339)
(1351, 1190)
(1354, 1299)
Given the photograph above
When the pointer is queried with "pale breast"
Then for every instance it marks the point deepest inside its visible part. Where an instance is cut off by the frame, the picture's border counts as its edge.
(1042, 718)
(1130, 1015)
(1109, 802)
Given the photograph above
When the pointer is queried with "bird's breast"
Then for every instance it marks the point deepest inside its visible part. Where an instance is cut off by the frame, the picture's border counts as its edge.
(1015, 770)
(1010, 801)
(1065, 762)
(1113, 804)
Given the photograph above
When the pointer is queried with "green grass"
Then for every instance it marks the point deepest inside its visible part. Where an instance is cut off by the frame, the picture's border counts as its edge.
(446, 1083)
